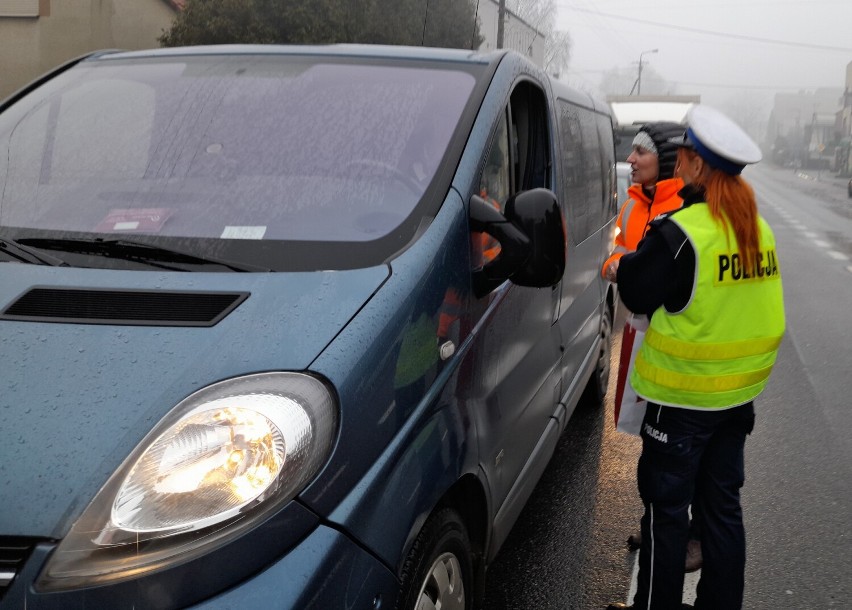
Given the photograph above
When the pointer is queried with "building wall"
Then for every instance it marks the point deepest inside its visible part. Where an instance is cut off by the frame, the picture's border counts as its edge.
(65, 29)
(517, 34)
(805, 120)
(844, 153)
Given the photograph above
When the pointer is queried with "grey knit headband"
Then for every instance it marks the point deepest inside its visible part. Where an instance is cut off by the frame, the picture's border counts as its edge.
(643, 140)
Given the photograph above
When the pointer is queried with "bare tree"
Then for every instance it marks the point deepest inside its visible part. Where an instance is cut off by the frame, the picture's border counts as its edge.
(541, 15)
(437, 23)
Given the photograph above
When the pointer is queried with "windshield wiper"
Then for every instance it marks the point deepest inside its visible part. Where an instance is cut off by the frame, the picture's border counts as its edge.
(27, 255)
(131, 250)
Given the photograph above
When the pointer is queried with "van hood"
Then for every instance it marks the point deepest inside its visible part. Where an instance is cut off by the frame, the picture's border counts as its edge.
(77, 398)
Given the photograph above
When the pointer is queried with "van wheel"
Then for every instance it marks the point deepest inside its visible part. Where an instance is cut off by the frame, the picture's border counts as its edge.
(599, 381)
(439, 571)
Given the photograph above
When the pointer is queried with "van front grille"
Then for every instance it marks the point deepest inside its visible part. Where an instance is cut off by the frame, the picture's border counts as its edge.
(14, 551)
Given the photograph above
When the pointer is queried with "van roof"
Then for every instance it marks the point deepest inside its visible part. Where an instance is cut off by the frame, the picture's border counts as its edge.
(366, 51)
(339, 50)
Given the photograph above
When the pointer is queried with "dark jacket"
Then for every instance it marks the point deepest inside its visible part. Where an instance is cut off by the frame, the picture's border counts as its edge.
(662, 270)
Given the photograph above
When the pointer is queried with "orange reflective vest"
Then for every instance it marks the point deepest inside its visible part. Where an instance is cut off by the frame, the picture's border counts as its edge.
(485, 247)
(638, 212)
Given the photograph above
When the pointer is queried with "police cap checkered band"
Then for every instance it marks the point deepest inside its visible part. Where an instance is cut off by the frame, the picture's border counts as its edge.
(643, 140)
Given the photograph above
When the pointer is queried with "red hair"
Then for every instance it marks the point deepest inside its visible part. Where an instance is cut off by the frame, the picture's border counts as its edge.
(732, 203)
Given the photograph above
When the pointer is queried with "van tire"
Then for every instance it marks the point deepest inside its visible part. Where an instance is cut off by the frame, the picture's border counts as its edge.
(439, 567)
(595, 391)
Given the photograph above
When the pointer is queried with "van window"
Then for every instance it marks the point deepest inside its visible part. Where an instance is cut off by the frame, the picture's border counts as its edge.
(594, 173)
(605, 133)
(518, 160)
(585, 140)
(532, 142)
(519, 156)
(222, 147)
(495, 184)
(581, 219)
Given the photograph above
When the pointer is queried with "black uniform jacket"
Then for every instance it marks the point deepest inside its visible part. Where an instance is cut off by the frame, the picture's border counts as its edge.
(661, 272)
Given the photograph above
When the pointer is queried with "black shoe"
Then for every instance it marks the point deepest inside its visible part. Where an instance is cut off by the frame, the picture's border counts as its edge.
(634, 541)
(694, 559)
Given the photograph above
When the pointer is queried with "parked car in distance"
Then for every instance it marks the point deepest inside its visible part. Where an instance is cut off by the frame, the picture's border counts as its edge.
(290, 327)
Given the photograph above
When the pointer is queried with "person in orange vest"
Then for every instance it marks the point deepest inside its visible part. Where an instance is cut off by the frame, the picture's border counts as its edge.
(653, 192)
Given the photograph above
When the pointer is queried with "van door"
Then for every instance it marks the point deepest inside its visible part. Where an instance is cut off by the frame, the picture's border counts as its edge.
(581, 196)
(517, 354)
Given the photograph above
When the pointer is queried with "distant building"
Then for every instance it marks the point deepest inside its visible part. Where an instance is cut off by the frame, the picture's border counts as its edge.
(843, 153)
(37, 35)
(517, 33)
(802, 129)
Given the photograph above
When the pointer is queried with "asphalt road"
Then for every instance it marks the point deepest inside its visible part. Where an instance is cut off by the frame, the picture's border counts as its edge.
(568, 551)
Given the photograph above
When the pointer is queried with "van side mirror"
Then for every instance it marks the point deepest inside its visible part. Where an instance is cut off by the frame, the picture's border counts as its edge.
(532, 240)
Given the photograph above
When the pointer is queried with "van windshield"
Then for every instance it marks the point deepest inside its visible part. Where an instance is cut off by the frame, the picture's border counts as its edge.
(234, 147)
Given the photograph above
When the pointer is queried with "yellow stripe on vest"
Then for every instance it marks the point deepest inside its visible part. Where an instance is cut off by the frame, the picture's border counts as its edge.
(710, 351)
(699, 383)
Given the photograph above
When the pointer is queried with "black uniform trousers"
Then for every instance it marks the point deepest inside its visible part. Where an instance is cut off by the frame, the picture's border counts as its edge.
(685, 450)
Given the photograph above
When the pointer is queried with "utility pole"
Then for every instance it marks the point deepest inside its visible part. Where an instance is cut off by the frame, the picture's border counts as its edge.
(815, 141)
(425, 21)
(501, 16)
(639, 80)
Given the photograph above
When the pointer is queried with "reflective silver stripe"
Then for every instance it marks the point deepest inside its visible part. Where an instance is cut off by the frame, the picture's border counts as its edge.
(653, 549)
(6, 577)
(625, 217)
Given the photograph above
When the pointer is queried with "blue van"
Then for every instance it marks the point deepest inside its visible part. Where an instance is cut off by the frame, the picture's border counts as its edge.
(290, 327)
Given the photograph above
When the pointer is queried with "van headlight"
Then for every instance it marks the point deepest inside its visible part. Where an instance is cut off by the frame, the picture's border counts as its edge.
(223, 458)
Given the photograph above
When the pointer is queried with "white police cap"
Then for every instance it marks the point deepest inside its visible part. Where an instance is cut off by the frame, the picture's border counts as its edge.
(718, 140)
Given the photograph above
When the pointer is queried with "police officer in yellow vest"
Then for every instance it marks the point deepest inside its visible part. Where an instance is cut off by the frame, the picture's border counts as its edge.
(709, 277)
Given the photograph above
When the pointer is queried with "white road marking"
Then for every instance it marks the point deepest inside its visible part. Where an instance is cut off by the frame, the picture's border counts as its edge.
(634, 579)
(690, 583)
(821, 243)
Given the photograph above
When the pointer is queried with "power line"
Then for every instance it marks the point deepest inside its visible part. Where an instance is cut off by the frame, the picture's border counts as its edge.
(579, 73)
(715, 5)
(762, 87)
(615, 37)
(710, 32)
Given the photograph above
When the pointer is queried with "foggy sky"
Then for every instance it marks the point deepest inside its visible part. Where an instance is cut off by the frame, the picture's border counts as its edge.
(717, 68)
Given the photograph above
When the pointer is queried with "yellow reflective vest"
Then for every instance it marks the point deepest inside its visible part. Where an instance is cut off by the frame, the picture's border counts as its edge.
(719, 350)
